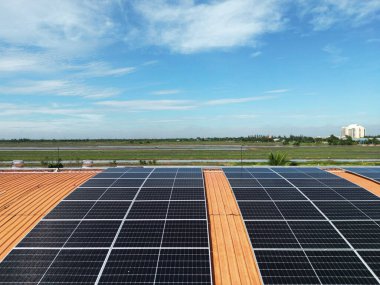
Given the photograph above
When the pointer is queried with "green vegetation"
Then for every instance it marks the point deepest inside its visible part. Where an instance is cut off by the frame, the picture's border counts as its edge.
(306, 152)
(278, 158)
(250, 140)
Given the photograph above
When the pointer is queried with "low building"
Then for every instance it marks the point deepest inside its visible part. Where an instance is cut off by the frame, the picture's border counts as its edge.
(354, 130)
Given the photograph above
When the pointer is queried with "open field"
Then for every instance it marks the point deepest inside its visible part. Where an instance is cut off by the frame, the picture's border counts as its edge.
(322, 152)
(143, 142)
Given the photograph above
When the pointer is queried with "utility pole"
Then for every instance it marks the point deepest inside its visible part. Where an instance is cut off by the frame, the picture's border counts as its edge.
(241, 156)
(58, 162)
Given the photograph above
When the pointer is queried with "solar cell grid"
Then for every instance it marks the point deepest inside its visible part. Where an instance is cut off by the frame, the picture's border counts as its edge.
(99, 182)
(83, 232)
(120, 193)
(154, 194)
(86, 194)
(259, 210)
(321, 193)
(188, 183)
(108, 175)
(93, 234)
(165, 170)
(274, 183)
(70, 210)
(361, 234)
(146, 233)
(160, 175)
(49, 234)
(238, 175)
(337, 183)
(173, 267)
(130, 266)
(128, 182)
(159, 183)
(187, 210)
(244, 183)
(271, 234)
(370, 208)
(185, 233)
(190, 175)
(148, 210)
(135, 175)
(188, 193)
(355, 193)
(298, 210)
(267, 175)
(117, 169)
(340, 210)
(304, 227)
(251, 194)
(79, 266)
(259, 170)
(26, 266)
(285, 267)
(284, 194)
(317, 234)
(309, 182)
(108, 210)
(340, 267)
(140, 170)
(373, 260)
(291, 175)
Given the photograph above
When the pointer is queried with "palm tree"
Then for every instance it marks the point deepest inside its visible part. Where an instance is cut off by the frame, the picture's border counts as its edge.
(278, 158)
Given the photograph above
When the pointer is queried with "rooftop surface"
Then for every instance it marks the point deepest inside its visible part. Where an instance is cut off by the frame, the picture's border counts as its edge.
(26, 197)
(281, 225)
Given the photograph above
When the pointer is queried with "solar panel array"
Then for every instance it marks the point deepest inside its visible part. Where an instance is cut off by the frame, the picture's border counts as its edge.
(368, 172)
(124, 226)
(308, 226)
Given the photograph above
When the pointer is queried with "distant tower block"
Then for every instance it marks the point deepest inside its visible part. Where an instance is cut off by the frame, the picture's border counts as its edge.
(17, 164)
(354, 130)
(87, 164)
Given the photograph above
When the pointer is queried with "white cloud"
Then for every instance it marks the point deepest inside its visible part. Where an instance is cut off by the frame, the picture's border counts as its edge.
(276, 91)
(335, 54)
(57, 88)
(157, 105)
(67, 26)
(100, 69)
(373, 40)
(166, 92)
(9, 109)
(227, 101)
(326, 13)
(188, 27)
(255, 54)
(150, 105)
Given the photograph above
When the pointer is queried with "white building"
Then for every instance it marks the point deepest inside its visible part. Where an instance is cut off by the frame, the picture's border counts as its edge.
(354, 130)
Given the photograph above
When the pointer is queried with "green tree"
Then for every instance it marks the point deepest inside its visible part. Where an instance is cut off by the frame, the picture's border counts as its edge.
(278, 158)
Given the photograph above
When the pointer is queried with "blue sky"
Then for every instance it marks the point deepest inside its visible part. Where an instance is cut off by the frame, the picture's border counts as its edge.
(154, 69)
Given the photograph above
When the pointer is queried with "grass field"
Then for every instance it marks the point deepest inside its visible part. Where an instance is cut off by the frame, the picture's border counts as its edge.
(321, 152)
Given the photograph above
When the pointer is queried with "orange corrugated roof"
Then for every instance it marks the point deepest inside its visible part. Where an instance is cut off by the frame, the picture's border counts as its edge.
(232, 255)
(27, 197)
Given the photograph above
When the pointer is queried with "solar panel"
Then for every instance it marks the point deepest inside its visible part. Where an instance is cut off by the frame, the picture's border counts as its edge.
(71, 264)
(145, 233)
(120, 227)
(285, 267)
(372, 173)
(339, 267)
(49, 234)
(271, 234)
(310, 227)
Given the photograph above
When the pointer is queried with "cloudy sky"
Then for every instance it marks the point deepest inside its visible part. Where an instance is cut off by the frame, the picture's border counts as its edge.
(155, 68)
